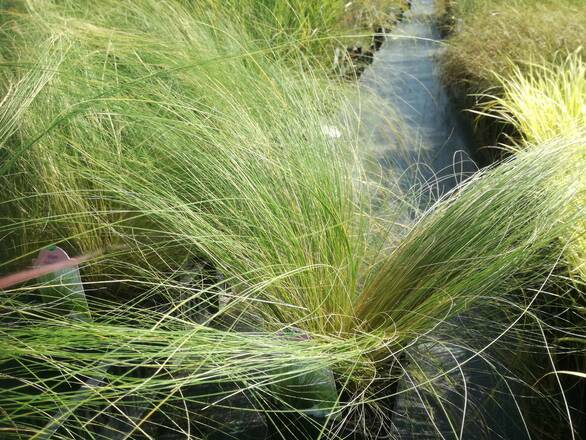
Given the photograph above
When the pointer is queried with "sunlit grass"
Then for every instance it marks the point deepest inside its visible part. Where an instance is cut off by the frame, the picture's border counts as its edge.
(544, 101)
(167, 135)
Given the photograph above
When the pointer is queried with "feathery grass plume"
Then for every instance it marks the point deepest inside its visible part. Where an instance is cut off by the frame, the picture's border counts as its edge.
(498, 223)
(20, 92)
(125, 76)
(163, 359)
(544, 101)
(169, 128)
(138, 74)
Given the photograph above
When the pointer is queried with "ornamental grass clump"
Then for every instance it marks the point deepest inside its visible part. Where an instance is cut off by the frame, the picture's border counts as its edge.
(543, 101)
(244, 249)
(170, 365)
(122, 83)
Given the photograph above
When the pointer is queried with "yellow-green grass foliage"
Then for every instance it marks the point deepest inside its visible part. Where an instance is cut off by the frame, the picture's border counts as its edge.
(543, 101)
